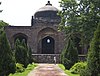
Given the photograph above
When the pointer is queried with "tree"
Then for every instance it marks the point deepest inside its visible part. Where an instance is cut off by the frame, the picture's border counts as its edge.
(93, 59)
(69, 55)
(21, 52)
(25, 51)
(2, 25)
(7, 60)
(29, 51)
(78, 16)
(30, 55)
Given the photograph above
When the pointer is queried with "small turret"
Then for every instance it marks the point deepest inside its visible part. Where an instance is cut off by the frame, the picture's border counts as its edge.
(32, 21)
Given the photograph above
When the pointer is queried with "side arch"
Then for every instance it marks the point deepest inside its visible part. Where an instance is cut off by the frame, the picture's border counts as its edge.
(20, 36)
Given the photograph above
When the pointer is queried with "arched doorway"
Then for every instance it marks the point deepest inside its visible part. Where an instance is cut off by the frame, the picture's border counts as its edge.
(48, 45)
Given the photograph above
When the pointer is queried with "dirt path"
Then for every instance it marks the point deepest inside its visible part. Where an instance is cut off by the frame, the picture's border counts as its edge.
(47, 70)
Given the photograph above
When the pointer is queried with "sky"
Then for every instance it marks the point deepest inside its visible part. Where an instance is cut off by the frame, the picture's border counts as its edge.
(19, 12)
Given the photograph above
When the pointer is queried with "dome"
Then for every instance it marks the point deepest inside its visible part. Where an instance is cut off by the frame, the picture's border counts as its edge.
(46, 14)
(48, 11)
(48, 7)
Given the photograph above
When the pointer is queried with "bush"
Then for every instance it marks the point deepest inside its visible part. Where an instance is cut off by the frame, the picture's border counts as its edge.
(31, 66)
(26, 71)
(19, 67)
(76, 68)
(67, 71)
(21, 52)
(30, 56)
(62, 66)
(85, 72)
(69, 55)
(93, 59)
(67, 63)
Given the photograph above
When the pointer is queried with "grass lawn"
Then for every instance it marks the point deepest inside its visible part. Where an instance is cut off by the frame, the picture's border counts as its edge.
(27, 70)
(67, 71)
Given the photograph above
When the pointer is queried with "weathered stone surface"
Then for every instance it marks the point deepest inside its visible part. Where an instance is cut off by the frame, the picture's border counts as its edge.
(43, 24)
(34, 36)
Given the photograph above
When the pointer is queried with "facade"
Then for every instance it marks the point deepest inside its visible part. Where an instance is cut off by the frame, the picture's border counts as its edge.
(42, 36)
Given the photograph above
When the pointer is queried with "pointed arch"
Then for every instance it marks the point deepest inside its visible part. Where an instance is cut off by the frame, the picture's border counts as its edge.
(20, 36)
(48, 44)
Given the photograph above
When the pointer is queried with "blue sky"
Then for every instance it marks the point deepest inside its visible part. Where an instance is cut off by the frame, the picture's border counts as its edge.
(19, 12)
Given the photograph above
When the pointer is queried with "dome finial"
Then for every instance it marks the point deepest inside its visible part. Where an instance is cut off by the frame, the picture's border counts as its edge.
(49, 3)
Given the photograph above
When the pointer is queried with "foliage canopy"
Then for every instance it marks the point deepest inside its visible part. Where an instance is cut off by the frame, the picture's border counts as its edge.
(80, 17)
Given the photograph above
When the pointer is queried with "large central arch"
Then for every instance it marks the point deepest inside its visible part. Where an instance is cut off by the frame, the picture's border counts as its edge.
(44, 35)
(48, 45)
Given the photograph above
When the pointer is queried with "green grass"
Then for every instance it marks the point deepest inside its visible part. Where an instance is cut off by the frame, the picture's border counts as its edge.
(27, 70)
(67, 71)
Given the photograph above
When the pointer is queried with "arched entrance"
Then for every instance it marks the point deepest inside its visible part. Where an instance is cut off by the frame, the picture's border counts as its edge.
(48, 45)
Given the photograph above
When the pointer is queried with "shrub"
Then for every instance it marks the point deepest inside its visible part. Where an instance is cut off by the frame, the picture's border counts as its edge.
(67, 63)
(85, 72)
(76, 68)
(30, 56)
(31, 66)
(21, 53)
(19, 67)
(62, 66)
(93, 59)
(69, 55)
(26, 71)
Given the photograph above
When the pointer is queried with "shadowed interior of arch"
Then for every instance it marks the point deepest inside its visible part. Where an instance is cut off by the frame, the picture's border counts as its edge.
(48, 45)
(20, 37)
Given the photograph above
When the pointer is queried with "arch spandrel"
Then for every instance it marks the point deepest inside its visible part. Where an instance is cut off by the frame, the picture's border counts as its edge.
(47, 32)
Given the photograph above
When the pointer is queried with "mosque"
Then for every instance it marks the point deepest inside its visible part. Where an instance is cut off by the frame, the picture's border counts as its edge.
(42, 36)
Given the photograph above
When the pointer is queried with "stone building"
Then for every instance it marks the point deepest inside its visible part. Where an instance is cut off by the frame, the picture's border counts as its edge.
(42, 36)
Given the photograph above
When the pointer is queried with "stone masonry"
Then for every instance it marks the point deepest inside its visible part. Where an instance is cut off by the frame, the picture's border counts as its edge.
(42, 36)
